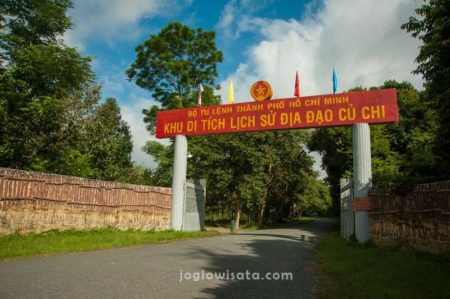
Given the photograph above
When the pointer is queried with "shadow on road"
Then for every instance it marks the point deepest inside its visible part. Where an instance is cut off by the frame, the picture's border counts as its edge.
(301, 238)
(262, 257)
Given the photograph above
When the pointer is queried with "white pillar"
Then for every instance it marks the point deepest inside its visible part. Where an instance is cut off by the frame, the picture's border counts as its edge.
(362, 177)
(178, 180)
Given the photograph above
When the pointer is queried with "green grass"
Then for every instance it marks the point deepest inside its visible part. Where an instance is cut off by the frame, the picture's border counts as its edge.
(52, 242)
(350, 270)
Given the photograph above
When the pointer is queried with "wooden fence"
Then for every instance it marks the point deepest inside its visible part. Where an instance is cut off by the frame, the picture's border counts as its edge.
(417, 216)
(32, 201)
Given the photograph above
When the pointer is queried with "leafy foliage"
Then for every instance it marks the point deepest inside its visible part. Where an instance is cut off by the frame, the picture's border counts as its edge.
(401, 153)
(175, 61)
(253, 172)
(108, 140)
(172, 64)
(49, 104)
(433, 29)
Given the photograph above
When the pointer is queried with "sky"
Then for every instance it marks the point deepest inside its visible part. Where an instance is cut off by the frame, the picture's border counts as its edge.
(260, 39)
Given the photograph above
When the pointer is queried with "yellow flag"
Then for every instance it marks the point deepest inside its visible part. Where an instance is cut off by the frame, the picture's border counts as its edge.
(230, 93)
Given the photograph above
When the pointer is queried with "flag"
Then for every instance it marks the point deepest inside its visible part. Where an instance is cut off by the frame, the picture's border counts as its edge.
(200, 90)
(335, 81)
(297, 86)
(230, 93)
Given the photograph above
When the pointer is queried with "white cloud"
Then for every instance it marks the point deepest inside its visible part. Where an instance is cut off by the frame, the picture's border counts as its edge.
(227, 17)
(362, 39)
(132, 114)
(112, 19)
(235, 17)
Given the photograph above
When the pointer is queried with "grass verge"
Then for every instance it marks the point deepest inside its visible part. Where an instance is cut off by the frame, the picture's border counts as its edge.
(350, 270)
(52, 242)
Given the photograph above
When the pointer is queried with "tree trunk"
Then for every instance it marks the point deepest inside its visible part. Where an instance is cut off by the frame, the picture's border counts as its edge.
(262, 207)
(238, 215)
(261, 214)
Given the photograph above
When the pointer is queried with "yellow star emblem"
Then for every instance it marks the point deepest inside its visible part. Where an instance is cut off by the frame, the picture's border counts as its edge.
(261, 91)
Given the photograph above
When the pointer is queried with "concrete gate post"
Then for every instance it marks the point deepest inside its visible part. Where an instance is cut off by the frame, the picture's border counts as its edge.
(362, 180)
(178, 180)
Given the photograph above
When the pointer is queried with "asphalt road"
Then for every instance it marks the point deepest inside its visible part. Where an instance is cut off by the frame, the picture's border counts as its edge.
(181, 269)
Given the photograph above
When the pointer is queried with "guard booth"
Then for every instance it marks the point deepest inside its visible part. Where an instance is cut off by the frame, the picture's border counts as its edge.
(194, 205)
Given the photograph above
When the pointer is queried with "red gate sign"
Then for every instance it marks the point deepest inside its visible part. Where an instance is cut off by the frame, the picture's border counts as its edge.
(376, 106)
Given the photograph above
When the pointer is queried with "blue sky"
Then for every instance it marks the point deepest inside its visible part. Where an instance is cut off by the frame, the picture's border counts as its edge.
(261, 39)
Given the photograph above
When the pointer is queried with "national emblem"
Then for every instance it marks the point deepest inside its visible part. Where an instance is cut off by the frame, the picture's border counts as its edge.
(261, 91)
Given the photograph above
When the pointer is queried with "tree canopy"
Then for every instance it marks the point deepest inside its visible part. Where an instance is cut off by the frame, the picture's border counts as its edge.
(172, 64)
(50, 106)
(402, 153)
(432, 27)
(251, 173)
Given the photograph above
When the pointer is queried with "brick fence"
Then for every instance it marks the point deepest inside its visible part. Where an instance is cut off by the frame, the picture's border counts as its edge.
(32, 201)
(417, 217)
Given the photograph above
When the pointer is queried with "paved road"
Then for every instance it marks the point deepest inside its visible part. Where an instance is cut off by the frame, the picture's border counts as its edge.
(155, 271)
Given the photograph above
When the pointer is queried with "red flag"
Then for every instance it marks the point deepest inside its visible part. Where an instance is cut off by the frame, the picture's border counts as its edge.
(297, 85)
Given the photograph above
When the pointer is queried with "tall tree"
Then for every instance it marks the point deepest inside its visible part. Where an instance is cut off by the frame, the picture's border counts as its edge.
(37, 75)
(108, 142)
(240, 168)
(432, 27)
(172, 64)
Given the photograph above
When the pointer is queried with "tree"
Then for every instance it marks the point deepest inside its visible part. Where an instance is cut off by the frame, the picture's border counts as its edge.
(401, 153)
(407, 153)
(234, 167)
(245, 172)
(108, 142)
(33, 21)
(254, 172)
(49, 103)
(314, 200)
(37, 75)
(433, 29)
(335, 147)
(163, 156)
(172, 64)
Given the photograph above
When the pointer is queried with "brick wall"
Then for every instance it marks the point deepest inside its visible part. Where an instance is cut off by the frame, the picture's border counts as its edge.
(32, 201)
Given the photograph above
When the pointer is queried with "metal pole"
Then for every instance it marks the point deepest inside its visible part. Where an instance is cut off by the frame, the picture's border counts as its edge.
(178, 180)
(362, 180)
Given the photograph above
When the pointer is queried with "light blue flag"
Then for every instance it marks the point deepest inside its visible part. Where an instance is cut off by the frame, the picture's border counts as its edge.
(335, 81)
